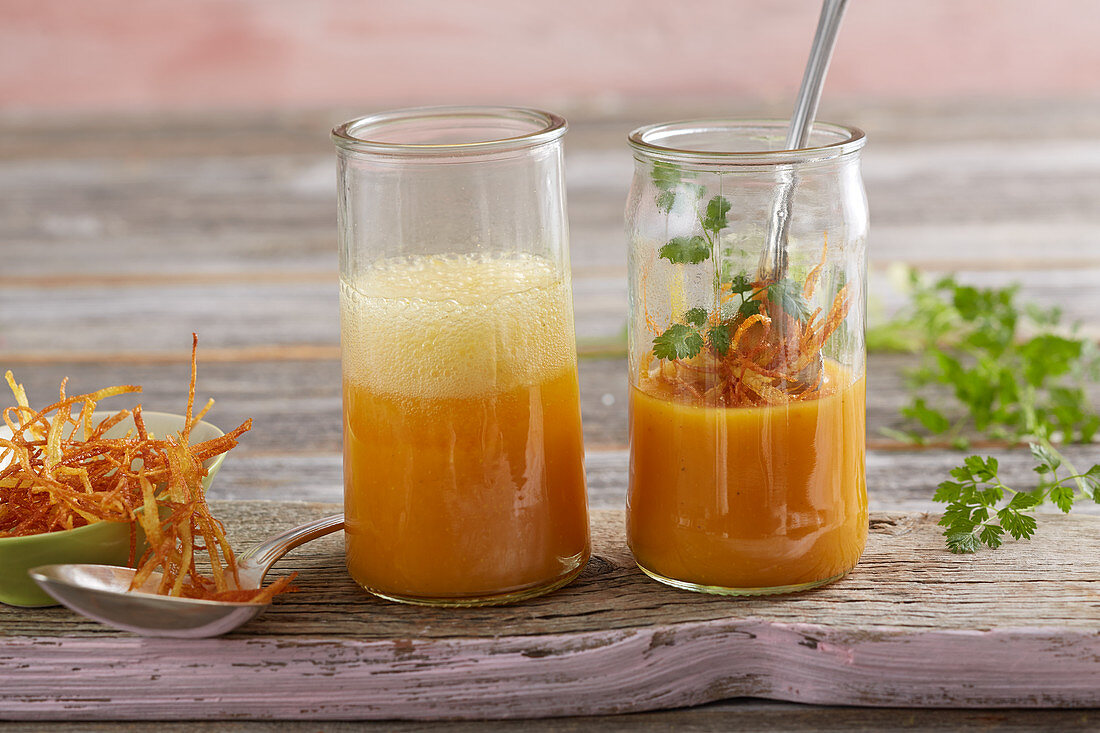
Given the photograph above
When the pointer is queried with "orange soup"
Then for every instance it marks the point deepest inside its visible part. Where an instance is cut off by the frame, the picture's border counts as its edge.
(463, 454)
(744, 498)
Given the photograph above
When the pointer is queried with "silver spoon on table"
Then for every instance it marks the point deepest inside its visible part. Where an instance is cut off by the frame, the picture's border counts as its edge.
(101, 592)
(773, 260)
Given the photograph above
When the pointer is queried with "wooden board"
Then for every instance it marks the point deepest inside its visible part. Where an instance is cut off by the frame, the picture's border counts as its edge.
(120, 235)
(912, 625)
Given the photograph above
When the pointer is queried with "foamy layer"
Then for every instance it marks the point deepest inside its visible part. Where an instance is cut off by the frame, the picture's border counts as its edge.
(456, 326)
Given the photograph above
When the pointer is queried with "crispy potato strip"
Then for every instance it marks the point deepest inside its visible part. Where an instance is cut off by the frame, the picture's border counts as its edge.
(772, 358)
(59, 472)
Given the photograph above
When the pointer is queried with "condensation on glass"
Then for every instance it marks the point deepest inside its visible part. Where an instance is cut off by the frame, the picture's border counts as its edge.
(463, 456)
(747, 388)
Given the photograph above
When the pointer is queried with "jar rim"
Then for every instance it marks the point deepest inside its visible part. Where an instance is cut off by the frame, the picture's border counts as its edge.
(646, 139)
(544, 127)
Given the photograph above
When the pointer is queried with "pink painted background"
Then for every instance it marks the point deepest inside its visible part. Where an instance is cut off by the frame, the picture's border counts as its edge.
(149, 55)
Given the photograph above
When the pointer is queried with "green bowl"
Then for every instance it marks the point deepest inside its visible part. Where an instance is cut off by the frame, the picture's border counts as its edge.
(104, 543)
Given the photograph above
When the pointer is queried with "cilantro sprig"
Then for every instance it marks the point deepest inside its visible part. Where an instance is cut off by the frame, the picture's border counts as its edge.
(697, 329)
(668, 180)
(679, 341)
(999, 369)
(977, 513)
(990, 366)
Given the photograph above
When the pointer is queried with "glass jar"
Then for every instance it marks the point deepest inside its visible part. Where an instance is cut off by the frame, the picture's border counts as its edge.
(463, 456)
(747, 377)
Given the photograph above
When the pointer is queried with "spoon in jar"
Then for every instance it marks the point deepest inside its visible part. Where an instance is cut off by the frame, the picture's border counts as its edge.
(773, 261)
(774, 258)
(102, 592)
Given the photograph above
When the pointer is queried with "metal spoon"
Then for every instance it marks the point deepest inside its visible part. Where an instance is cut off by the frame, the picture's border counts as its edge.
(101, 592)
(773, 260)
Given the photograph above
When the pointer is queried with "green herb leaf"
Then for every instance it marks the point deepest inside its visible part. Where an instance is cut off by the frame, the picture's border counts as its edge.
(719, 337)
(1015, 373)
(665, 200)
(686, 250)
(1025, 500)
(1020, 526)
(696, 316)
(787, 295)
(962, 542)
(749, 308)
(679, 341)
(1063, 497)
(991, 535)
(715, 217)
(1047, 460)
(1091, 480)
(948, 491)
(740, 284)
(933, 420)
(665, 175)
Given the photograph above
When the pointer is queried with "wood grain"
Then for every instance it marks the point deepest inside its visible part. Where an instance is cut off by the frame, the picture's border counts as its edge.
(912, 625)
(742, 714)
(295, 401)
(120, 236)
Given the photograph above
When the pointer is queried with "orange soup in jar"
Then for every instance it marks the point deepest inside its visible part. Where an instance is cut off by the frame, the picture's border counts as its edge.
(463, 453)
(747, 360)
(748, 499)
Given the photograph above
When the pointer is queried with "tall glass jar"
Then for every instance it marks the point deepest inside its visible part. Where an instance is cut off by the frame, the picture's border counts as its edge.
(747, 398)
(463, 457)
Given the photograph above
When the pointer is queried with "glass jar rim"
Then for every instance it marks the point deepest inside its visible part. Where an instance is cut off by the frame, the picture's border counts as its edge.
(642, 139)
(545, 127)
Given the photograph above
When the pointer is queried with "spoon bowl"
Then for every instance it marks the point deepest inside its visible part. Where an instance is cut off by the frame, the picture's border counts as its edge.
(102, 592)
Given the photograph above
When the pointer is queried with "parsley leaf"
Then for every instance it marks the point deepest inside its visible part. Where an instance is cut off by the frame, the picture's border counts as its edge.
(1014, 375)
(975, 514)
(665, 200)
(719, 337)
(696, 316)
(1048, 462)
(665, 175)
(1063, 497)
(749, 308)
(679, 341)
(788, 295)
(715, 217)
(740, 284)
(686, 250)
(962, 542)
(1090, 483)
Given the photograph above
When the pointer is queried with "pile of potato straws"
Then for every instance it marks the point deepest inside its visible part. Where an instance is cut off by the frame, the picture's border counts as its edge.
(59, 473)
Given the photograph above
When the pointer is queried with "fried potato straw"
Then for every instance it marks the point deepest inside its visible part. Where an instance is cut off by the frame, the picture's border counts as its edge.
(771, 355)
(59, 472)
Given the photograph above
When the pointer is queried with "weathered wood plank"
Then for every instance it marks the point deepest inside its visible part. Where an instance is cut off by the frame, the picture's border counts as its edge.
(82, 320)
(896, 480)
(742, 714)
(89, 319)
(210, 132)
(237, 194)
(277, 213)
(905, 561)
(226, 223)
(295, 403)
(613, 641)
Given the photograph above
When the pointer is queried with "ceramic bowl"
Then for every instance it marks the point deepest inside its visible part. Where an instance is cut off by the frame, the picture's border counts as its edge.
(106, 543)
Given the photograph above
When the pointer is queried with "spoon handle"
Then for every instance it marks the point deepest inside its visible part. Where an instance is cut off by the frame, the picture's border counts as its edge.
(773, 261)
(258, 559)
(809, 94)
